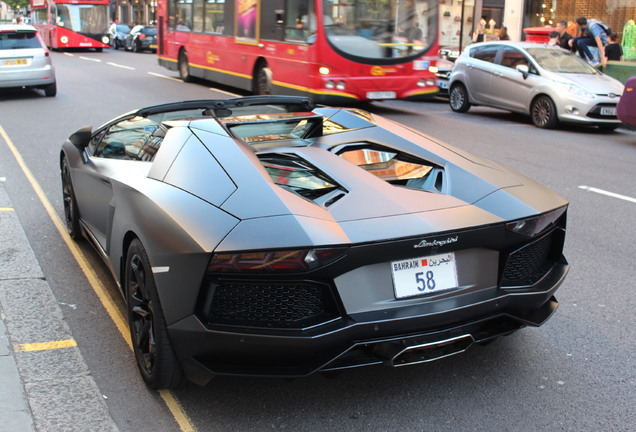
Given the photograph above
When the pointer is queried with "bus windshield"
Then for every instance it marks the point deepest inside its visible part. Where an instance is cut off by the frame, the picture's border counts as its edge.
(371, 30)
(86, 19)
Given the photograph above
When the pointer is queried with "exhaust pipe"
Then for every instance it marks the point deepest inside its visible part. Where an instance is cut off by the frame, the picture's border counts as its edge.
(432, 351)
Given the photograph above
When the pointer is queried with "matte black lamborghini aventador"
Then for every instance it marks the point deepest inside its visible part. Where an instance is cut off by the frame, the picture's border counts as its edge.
(268, 236)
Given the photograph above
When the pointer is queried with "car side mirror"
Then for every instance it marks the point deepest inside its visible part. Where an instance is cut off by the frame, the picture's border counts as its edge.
(82, 137)
(524, 69)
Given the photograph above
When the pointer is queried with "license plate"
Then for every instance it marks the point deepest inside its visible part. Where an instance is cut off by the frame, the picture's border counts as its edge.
(608, 111)
(153, 46)
(381, 95)
(14, 62)
(424, 275)
(442, 84)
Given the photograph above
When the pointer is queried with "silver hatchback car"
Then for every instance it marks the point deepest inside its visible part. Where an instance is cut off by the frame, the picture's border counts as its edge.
(548, 83)
(24, 60)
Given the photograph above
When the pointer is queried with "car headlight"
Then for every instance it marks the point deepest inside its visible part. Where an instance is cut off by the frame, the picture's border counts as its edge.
(575, 89)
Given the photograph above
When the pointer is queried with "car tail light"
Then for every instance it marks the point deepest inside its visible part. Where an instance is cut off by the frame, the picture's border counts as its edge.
(142, 36)
(281, 261)
(536, 225)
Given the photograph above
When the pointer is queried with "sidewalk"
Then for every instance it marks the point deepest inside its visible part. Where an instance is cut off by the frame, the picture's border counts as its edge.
(45, 384)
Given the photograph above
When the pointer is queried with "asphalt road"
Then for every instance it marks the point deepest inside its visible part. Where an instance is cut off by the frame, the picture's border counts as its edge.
(576, 373)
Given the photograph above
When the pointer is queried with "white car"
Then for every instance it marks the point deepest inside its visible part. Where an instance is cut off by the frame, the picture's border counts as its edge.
(24, 60)
(548, 83)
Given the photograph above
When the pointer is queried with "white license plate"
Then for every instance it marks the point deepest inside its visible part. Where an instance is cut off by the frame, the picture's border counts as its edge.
(424, 275)
(381, 95)
(14, 62)
(442, 84)
(608, 111)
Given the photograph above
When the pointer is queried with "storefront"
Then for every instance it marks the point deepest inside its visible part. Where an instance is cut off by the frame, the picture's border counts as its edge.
(459, 19)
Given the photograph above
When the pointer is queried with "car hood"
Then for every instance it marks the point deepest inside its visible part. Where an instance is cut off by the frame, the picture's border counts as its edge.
(596, 84)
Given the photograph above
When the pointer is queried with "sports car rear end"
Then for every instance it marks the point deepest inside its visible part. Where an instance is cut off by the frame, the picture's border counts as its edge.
(286, 239)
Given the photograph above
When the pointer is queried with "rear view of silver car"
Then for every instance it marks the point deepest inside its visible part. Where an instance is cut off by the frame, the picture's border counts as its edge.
(550, 84)
(24, 60)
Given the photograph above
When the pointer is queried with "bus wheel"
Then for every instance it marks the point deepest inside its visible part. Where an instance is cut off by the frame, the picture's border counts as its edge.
(184, 67)
(263, 81)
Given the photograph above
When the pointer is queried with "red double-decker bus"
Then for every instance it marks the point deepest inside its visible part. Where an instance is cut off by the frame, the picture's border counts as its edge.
(330, 50)
(71, 23)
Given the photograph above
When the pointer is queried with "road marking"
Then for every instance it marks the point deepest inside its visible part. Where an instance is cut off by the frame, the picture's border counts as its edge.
(6, 209)
(69, 54)
(159, 269)
(98, 287)
(90, 59)
(44, 346)
(120, 66)
(607, 193)
(164, 76)
(223, 91)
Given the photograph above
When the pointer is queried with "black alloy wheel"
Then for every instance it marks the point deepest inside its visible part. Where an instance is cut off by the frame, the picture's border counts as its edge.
(184, 67)
(543, 113)
(458, 98)
(263, 81)
(137, 46)
(151, 344)
(71, 212)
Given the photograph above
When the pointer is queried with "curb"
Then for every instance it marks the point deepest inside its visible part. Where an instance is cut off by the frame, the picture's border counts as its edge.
(45, 385)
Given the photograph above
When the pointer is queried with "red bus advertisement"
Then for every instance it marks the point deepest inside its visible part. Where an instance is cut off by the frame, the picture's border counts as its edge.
(332, 51)
(71, 23)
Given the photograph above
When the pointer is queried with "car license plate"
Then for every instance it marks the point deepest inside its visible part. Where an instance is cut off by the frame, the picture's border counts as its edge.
(442, 84)
(608, 111)
(153, 46)
(424, 275)
(381, 95)
(14, 62)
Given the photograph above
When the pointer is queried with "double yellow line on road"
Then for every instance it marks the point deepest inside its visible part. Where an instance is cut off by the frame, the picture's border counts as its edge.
(182, 419)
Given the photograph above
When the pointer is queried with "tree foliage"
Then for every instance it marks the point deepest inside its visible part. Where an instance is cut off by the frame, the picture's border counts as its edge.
(13, 4)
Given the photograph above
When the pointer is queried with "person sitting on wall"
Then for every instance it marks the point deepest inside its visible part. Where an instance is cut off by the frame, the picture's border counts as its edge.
(591, 33)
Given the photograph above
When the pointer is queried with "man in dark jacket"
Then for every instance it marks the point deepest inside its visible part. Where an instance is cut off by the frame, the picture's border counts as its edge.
(564, 36)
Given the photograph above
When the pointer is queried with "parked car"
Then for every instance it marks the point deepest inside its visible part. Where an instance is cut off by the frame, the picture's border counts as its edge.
(550, 84)
(25, 60)
(267, 236)
(141, 38)
(626, 108)
(117, 34)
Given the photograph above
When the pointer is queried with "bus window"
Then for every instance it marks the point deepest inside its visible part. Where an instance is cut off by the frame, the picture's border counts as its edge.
(300, 20)
(214, 16)
(372, 30)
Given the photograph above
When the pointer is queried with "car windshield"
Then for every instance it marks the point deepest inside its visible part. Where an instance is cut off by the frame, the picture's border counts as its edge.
(560, 61)
(150, 31)
(123, 28)
(368, 30)
(19, 40)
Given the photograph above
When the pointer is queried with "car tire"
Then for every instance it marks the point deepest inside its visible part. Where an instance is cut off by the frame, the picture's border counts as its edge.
(153, 350)
(136, 47)
(71, 211)
(543, 113)
(50, 90)
(458, 98)
(184, 67)
(263, 81)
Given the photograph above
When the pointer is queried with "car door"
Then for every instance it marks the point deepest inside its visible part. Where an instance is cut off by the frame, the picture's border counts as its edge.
(479, 72)
(111, 151)
(511, 89)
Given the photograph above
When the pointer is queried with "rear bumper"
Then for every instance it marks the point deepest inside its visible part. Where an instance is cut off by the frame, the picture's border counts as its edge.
(27, 78)
(377, 337)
